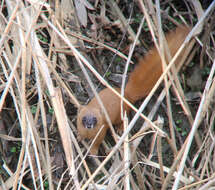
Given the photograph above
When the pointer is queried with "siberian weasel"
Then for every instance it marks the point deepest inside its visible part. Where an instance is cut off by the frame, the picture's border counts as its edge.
(141, 81)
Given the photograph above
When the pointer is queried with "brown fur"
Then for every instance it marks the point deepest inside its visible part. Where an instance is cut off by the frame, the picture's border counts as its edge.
(140, 83)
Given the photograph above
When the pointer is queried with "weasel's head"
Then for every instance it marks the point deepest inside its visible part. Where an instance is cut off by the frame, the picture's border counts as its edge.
(89, 118)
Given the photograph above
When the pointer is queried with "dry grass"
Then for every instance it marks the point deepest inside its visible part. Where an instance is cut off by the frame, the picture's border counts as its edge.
(30, 78)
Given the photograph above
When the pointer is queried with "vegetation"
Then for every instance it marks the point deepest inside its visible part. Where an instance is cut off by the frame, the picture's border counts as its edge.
(46, 45)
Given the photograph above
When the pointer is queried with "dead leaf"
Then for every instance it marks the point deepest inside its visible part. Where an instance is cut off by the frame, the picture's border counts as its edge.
(58, 161)
(87, 4)
(81, 12)
(195, 80)
(103, 17)
(94, 26)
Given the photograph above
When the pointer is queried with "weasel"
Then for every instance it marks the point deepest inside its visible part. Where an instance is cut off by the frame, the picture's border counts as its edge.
(143, 78)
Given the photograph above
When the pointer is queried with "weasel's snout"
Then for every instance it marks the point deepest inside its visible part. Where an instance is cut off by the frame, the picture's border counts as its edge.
(89, 121)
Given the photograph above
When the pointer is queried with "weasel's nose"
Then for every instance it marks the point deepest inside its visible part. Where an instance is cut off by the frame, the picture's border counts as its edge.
(89, 121)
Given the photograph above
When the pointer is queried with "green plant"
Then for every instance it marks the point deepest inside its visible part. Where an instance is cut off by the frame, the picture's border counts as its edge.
(42, 38)
(179, 121)
(33, 109)
(182, 131)
(51, 110)
(13, 149)
(108, 74)
(46, 184)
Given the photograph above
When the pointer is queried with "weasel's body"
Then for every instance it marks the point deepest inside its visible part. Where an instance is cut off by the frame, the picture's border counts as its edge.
(141, 81)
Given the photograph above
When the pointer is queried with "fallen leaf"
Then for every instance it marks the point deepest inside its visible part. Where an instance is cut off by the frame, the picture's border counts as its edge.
(81, 12)
(87, 4)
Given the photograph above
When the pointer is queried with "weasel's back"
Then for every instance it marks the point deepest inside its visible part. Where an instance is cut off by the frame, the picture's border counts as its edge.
(149, 68)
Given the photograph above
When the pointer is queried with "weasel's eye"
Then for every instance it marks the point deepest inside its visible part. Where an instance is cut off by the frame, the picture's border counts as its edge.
(89, 121)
